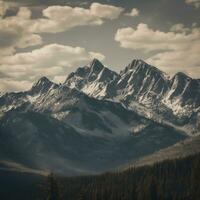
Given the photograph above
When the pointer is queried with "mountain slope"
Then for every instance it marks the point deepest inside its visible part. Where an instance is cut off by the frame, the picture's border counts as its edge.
(187, 147)
(61, 129)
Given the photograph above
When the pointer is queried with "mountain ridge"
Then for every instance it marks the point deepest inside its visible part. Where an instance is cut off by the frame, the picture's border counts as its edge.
(64, 130)
(140, 87)
(96, 121)
(177, 98)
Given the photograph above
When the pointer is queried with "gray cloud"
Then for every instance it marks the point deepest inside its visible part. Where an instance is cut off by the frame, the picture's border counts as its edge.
(134, 12)
(195, 3)
(179, 28)
(15, 33)
(3, 8)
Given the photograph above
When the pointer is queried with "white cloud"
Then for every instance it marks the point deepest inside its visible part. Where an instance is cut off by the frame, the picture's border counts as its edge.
(62, 18)
(18, 70)
(14, 32)
(185, 60)
(24, 13)
(134, 12)
(22, 31)
(51, 60)
(13, 85)
(195, 3)
(148, 40)
(178, 51)
(59, 79)
(105, 11)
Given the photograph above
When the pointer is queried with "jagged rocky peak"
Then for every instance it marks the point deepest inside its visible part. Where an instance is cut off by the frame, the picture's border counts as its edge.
(138, 66)
(135, 63)
(42, 80)
(107, 75)
(43, 84)
(142, 81)
(96, 65)
(80, 72)
(181, 77)
(186, 88)
(140, 70)
(179, 81)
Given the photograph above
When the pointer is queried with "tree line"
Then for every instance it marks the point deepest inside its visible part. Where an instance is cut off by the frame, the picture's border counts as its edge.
(177, 179)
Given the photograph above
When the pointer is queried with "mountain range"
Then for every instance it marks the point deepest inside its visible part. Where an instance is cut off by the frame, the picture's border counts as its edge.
(97, 120)
(145, 89)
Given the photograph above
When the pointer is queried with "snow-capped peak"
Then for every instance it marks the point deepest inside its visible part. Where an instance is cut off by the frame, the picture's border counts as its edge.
(138, 84)
(93, 79)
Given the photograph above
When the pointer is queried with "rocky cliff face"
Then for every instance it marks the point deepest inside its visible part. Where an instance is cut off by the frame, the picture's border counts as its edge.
(93, 79)
(144, 86)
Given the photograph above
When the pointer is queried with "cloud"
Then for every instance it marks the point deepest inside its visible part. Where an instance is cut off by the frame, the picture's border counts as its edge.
(179, 28)
(195, 3)
(62, 18)
(145, 38)
(105, 11)
(21, 30)
(14, 32)
(7, 85)
(172, 51)
(3, 8)
(51, 60)
(24, 13)
(185, 60)
(19, 70)
(134, 12)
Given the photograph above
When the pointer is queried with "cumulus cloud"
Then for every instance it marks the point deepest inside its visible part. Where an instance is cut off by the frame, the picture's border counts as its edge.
(51, 60)
(3, 8)
(195, 3)
(19, 70)
(134, 12)
(105, 11)
(147, 39)
(14, 32)
(178, 51)
(24, 13)
(62, 18)
(21, 31)
(7, 85)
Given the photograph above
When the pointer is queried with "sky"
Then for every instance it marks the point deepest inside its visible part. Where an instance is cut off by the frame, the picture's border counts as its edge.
(54, 37)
